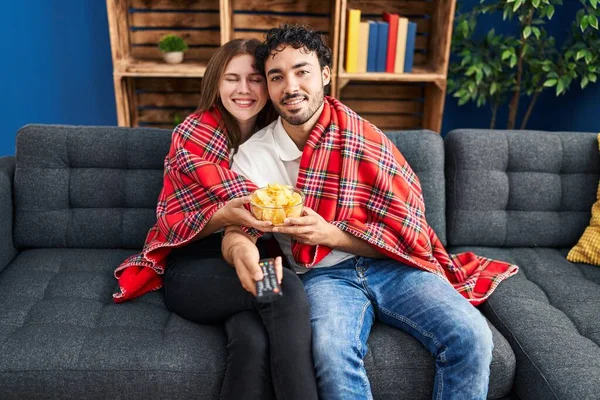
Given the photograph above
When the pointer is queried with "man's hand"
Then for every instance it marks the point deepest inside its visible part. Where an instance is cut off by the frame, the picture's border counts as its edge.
(310, 228)
(234, 213)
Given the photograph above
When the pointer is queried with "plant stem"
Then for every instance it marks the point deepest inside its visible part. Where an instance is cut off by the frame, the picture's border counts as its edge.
(494, 112)
(530, 110)
(513, 107)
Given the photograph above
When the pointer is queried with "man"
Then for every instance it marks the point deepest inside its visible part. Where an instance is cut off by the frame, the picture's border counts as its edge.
(362, 246)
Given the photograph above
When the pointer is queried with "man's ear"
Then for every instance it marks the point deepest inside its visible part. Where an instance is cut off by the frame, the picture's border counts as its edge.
(326, 75)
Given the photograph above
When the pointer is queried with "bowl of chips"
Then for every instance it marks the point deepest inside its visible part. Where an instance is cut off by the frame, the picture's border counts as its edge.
(276, 202)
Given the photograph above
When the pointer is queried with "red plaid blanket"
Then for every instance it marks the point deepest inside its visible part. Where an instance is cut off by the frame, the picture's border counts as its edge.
(357, 179)
(197, 182)
(351, 174)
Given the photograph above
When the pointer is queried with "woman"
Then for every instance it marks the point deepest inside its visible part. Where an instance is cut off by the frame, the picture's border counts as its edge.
(269, 345)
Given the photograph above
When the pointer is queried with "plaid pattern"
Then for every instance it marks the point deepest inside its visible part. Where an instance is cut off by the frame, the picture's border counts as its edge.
(197, 182)
(357, 179)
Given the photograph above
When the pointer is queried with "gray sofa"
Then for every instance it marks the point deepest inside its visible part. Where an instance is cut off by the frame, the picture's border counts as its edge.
(77, 201)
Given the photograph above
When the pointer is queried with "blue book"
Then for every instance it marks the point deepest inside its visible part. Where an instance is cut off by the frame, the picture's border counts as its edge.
(411, 36)
(372, 49)
(382, 33)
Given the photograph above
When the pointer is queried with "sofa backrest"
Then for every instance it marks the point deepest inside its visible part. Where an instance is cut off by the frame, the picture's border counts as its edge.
(97, 187)
(424, 151)
(519, 188)
(91, 187)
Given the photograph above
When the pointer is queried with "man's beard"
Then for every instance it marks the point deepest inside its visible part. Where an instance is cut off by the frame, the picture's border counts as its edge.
(302, 117)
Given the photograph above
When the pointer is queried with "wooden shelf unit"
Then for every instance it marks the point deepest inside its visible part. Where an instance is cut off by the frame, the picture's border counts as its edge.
(409, 108)
(150, 92)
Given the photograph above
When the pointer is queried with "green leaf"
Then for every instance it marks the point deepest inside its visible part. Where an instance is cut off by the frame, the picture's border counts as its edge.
(588, 57)
(526, 32)
(594, 3)
(580, 54)
(593, 21)
(593, 77)
(518, 4)
(513, 61)
(536, 3)
(560, 87)
(493, 88)
(584, 23)
(536, 32)
(478, 76)
(550, 11)
(584, 82)
(506, 54)
(550, 82)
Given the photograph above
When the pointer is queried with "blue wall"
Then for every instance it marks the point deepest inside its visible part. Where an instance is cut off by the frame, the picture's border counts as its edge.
(56, 68)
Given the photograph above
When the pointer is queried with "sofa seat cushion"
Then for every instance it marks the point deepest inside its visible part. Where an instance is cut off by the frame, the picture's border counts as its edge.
(550, 314)
(61, 335)
(400, 367)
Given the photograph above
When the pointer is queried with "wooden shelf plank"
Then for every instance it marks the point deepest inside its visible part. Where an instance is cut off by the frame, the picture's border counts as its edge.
(418, 75)
(187, 69)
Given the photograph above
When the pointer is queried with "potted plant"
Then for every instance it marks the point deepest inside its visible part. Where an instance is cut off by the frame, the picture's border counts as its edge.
(173, 48)
(501, 69)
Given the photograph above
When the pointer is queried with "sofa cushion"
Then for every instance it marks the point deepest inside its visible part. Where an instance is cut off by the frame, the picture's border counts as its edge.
(550, 314)
(7, 249)
(97, 187)
(424, 151)
(400, 367)
(515, 188)
(61, 336)
(92, 187)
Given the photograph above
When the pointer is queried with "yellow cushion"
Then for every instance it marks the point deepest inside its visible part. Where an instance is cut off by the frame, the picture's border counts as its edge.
(587, 250)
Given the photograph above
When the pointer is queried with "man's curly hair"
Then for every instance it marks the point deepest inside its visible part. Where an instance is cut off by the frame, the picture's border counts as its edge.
(297, 36)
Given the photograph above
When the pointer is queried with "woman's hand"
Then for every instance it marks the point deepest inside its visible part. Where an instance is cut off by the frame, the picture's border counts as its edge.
(245, 261)
(234, 213)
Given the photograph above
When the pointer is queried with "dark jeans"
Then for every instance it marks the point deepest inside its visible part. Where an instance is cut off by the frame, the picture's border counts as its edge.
(269, 345)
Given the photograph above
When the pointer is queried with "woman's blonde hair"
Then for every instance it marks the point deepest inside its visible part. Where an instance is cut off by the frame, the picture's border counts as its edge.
(209, 92)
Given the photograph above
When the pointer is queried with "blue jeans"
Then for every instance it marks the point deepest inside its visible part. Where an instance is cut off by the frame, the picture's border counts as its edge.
(345, 300)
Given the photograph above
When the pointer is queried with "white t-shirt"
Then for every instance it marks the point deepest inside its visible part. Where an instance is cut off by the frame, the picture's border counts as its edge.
(271, 156)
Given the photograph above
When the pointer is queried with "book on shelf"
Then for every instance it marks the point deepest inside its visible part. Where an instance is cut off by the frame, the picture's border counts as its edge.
(352, 39)
(372, 50)
(411, 35)
(382, 40)
(379, 46)
(401, 45)
(363, 47)
(392, 20)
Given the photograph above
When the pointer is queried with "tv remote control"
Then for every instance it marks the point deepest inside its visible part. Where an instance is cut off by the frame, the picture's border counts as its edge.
(268, 289)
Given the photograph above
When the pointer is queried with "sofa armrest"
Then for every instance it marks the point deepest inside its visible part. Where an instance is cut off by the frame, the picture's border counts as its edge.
(7, 173)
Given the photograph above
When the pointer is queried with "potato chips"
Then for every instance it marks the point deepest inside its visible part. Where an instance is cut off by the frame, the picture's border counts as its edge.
(275, 202)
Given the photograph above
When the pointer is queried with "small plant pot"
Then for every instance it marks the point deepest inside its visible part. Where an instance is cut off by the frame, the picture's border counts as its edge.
(173, 57)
